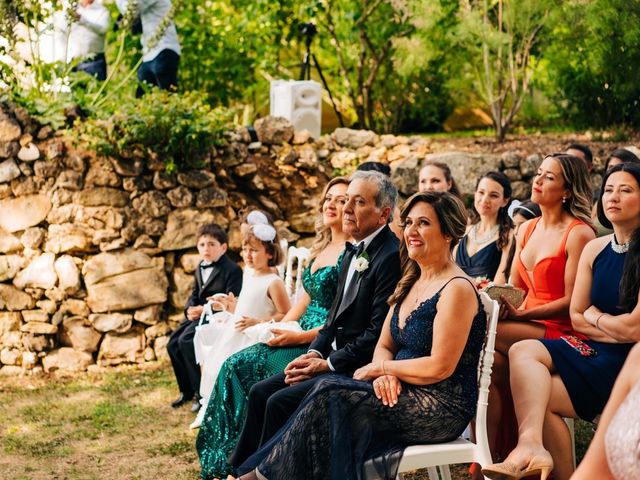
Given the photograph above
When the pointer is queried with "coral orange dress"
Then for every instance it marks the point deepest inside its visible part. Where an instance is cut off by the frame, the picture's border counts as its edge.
(547, 285)
(548, 282)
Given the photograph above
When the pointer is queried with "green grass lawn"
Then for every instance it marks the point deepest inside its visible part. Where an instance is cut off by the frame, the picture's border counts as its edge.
(112, 425)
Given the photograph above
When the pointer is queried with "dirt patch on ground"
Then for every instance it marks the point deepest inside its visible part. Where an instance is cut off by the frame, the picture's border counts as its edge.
(601, 144)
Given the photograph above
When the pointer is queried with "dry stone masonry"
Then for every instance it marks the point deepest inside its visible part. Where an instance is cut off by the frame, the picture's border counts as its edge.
(97, 254)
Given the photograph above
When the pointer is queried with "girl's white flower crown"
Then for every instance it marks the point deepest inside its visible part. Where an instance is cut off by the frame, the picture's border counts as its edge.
(256, 217)
(264, 232)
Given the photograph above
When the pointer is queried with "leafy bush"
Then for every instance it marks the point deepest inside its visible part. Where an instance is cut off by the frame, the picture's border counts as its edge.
(180, 129)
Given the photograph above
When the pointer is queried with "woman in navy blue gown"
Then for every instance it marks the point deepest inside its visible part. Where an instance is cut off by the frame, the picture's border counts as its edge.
(421, 385)
(484, 250)
(573, 376)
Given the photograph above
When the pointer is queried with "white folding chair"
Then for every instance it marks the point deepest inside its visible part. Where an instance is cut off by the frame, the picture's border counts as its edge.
(299, 255)
(437, 458)
(284, 245)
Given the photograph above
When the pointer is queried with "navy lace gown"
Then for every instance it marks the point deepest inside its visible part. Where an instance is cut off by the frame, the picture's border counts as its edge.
(340, 424)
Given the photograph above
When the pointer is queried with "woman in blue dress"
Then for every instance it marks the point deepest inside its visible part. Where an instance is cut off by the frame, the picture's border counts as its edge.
(573, 376)
(421, 385)
(222, 420)
(484, 250)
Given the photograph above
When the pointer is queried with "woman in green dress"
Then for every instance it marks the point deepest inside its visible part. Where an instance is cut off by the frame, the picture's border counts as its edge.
(225, 412)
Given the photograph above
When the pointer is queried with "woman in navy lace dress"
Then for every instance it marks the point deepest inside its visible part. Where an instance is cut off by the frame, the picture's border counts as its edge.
(421, 384)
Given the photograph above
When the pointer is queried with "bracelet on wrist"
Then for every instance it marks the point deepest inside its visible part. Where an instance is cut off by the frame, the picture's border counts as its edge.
(595, 324)
(383, 370)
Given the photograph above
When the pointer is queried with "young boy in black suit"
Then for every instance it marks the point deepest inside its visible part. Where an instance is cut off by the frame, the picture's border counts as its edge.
(216, 273)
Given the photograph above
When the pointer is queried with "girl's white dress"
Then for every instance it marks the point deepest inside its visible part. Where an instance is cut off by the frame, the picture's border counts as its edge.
(218, 340)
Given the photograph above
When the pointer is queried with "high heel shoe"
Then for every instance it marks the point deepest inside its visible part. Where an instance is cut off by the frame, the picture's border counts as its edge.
(541, 464)
(502, 471)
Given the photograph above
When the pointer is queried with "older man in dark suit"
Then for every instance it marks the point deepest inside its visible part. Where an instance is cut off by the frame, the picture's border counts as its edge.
(369, 274)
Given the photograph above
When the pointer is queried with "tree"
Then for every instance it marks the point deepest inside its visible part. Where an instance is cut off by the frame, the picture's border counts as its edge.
(362, 34)
(502, 38)
(593, 63)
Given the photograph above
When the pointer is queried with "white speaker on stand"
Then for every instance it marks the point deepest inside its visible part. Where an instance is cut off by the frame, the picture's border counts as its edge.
(300, 102)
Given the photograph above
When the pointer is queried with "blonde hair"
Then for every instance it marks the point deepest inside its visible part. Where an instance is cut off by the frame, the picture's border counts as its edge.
(323, 233)
(576, 180)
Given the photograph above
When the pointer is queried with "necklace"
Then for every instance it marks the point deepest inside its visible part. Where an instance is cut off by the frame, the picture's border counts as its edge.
(473, 234)
(619, 247)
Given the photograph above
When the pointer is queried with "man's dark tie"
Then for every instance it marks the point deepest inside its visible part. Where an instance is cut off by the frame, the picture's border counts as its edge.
(204, 266)
(354, 249)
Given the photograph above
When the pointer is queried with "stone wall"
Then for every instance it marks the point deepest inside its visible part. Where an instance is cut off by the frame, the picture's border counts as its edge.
(97, 254)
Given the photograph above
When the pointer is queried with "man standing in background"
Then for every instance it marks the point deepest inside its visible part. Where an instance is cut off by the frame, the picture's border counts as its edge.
(87, 38)
(160, 44)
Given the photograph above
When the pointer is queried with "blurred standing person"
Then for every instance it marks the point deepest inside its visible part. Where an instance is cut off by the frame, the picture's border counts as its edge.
(87, 38)
(79, 35)
(160, 44)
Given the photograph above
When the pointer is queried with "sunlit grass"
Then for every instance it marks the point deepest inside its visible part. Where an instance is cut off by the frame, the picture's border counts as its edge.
(111, 425)
(114, 425)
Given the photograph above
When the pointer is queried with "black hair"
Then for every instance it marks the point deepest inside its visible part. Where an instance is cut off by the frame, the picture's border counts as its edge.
(588, 156)
(504, 220)
(623, 154)
(528, 210)
(630, 282)
(213, 230)
(383, 168)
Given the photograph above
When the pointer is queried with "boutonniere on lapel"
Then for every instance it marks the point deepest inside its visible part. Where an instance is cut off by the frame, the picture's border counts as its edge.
(362, 262)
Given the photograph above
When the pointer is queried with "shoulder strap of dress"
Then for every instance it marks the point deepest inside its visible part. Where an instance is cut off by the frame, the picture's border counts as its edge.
(566, 234)
(530, 228)
(453, 278)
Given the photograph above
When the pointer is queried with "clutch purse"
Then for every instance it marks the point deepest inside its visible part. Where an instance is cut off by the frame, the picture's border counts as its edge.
(513, 295)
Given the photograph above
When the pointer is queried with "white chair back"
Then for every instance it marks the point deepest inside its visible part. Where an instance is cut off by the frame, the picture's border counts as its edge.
(492, 309)
(293, 285)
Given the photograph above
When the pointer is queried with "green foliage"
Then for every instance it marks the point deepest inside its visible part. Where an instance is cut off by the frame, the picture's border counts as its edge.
(229, 48)
(392, 65)
(594, 62)
(178, 129)
(502, 40)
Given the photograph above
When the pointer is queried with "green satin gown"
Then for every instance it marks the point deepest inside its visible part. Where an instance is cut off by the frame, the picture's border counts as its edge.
(225, 413)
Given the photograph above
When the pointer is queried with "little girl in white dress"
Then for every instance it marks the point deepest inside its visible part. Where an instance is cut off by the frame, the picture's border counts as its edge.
(263, 298)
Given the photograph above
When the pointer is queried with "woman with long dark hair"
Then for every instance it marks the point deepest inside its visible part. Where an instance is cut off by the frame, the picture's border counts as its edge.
(484, 250)
(573, 376)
